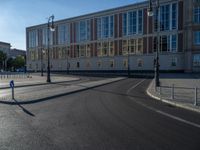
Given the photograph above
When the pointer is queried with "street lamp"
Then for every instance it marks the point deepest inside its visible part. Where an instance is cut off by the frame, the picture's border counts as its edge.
(42, 53)
(52, 29)
(156, 65)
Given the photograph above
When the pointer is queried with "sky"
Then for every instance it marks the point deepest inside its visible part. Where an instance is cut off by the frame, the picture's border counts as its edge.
(16, 15)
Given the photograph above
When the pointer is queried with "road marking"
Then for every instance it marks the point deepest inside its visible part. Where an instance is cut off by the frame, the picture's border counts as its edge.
(159, 111)
(129, 90)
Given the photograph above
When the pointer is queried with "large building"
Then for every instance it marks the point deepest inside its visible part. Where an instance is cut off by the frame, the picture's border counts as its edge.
(114, 39)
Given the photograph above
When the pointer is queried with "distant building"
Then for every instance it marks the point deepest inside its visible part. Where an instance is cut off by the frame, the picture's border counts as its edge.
(10, 53)
(114, 39)
(17, 52)
(5, 47)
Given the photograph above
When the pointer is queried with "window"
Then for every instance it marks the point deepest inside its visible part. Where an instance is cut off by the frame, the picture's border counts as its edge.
(125, 47)
(132, 23)
(132, 46)
(139, 63)
(140, 21)
(77, 51)
(33, 38)
(197, 37)
(111, 48)
(105, 27)
(125, 63)
(105, 48)
(88, 36)
(124, 24)
(63, 34)
(99, 64)
(82, 51)
(98, 28)
(164, 43)
(164, 17)
(88, 50)
(82, 30)
(173, 43)
(174, 61)
(77, 26)
(45, 37)
(174, 16)
(140, 46)
(196, 60)
(111, 26)
(112, 63)
(99, 47)
(196, 13)
(77, 65)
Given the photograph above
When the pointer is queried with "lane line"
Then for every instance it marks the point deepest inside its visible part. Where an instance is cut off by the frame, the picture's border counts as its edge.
(159, 111)
(129, 90)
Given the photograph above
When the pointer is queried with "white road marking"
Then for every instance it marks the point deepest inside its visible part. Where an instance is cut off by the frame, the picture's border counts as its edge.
(129, 90)
(159, 111)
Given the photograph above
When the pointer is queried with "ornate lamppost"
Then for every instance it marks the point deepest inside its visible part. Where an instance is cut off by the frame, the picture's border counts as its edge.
(52, 29)
(156, 64)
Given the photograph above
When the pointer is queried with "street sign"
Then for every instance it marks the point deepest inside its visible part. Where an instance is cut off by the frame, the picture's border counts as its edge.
(12, 84)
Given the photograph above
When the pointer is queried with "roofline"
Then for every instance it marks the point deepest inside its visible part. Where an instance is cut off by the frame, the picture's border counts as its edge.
(95, 13)
(5, 43)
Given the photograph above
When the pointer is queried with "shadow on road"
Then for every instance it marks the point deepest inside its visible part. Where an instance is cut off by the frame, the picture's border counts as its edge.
(24, 109)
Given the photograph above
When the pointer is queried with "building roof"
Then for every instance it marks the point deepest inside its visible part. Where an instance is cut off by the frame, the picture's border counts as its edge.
(4, 43)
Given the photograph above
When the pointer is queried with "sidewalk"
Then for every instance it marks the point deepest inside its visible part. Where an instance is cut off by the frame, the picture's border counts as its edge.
(53, 91)
(35, 79)
(178, 90)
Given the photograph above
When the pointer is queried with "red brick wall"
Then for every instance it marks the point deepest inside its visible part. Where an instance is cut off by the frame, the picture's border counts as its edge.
(145, 21)
(120, 25)
(120, 47)
(74, 34)
(91, 29)
(180, 42)
(150, 45)
(116, 47)
(180, 16)
(144, 45)
(95, 29)
(71, 32)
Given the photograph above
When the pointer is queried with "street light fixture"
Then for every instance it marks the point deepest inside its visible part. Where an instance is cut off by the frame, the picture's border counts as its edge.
(52, 29)
(42, 53)
(156, 65)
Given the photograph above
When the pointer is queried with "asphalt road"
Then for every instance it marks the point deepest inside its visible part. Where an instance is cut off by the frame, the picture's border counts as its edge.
(118, 116)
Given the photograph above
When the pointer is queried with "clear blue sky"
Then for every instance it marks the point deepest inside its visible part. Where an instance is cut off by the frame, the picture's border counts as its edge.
(16, 15)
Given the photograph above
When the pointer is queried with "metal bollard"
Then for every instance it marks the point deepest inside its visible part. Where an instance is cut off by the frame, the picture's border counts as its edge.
(195, 96)
(172, 92)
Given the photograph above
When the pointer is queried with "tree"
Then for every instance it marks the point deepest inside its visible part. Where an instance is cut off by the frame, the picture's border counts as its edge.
(18, 62)
(3, 57)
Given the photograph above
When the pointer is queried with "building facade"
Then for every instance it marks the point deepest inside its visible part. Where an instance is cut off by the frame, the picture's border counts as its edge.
(121, 38)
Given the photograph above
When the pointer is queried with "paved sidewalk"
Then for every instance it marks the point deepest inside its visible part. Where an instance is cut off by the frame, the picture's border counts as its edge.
(35, 79)
(55, 90)
(183, 93)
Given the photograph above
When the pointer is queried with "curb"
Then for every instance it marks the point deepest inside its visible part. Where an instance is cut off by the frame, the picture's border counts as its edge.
(170, 102)
(58, 95)
(19, 86)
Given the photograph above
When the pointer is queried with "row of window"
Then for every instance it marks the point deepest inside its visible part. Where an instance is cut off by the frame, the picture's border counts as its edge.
(132, 23)
(111, 64)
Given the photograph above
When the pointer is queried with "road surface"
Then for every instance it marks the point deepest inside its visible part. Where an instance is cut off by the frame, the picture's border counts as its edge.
(117, 116)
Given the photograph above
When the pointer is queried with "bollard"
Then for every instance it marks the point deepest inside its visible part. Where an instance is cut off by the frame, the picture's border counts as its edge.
(172, 92)
(195, 96)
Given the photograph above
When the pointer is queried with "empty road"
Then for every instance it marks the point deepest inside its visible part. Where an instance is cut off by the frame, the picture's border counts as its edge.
(117, 116)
